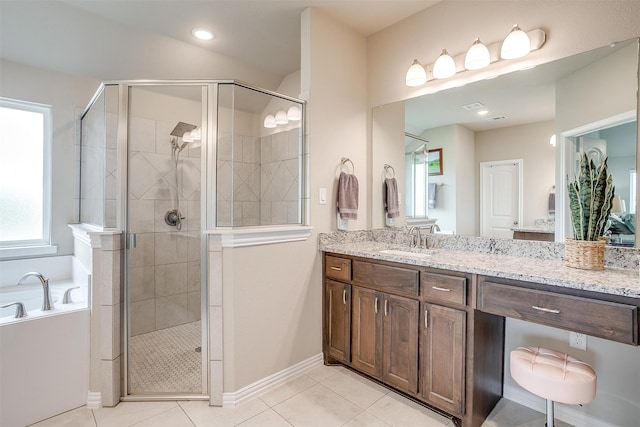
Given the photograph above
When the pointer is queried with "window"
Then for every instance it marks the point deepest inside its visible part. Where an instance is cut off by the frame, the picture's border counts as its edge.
(25, 140)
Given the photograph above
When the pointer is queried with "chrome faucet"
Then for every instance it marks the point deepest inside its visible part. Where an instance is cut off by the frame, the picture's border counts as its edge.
(415, 240)
(47, 301)
(20, 310)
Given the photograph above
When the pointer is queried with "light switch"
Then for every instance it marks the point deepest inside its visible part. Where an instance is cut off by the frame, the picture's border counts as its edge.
(322, 196)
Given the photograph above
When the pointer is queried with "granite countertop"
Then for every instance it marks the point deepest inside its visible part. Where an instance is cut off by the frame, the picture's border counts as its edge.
(533, 229)
(616, 281)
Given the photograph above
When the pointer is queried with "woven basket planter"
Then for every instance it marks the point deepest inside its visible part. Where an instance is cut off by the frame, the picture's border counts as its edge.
(585, 254)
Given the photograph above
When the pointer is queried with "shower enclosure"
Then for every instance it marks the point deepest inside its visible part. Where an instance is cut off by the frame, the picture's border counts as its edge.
(167, 163)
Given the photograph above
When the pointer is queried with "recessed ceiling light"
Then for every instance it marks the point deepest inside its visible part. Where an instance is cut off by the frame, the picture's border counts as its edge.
(483, 112)
(201, 34)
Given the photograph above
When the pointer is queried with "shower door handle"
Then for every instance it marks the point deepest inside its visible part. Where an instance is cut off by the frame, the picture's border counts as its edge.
(132, 241)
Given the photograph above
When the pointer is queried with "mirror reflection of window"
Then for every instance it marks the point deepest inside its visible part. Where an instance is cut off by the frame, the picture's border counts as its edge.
(417, 181)
(632, 193)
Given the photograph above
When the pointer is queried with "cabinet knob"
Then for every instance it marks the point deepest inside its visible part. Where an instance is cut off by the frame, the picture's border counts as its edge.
(437, 288)
(336, 268)
(375, 305)
(426, 318)
(386, 307)
(344, 296)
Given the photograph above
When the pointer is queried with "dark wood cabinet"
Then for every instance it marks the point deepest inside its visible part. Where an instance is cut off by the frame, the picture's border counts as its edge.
(400, 342)
(414, 329)
(442, 357)
(385, 337)
(338, 320)
(366, 337)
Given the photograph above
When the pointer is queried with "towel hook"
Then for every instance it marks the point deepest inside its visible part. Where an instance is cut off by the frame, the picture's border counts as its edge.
(386, 171)
(344, 161)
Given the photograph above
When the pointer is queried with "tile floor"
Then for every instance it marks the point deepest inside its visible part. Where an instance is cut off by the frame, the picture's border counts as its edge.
(325, 396)
(166, 360)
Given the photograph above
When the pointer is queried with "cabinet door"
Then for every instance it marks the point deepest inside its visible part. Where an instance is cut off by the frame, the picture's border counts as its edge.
(443, 354)
(366, 336)
(400, 342)
(338, 320)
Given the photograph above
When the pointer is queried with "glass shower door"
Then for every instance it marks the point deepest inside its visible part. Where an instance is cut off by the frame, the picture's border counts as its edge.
(163, 291)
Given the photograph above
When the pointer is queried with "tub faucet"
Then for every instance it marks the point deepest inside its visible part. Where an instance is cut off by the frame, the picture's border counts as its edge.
(47, 301)
(20, 310)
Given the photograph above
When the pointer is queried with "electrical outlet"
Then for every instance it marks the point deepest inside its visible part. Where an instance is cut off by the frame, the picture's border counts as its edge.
(578, 340)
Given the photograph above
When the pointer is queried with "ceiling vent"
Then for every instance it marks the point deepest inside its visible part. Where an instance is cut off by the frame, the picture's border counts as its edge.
(473, 106)
(493, 119)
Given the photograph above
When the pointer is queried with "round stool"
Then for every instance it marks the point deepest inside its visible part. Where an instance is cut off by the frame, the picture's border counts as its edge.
(554, 376)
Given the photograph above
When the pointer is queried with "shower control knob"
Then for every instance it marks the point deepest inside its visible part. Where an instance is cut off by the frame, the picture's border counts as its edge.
(173, 217)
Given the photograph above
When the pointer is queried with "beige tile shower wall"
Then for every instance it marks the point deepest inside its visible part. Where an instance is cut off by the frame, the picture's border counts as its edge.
(280, 186)
(164, 282)
(238, 178)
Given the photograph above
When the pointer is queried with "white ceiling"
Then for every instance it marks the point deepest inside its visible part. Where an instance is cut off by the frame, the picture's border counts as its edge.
(69, 35)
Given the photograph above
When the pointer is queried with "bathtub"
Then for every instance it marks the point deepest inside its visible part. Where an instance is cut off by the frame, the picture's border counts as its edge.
(44, 357)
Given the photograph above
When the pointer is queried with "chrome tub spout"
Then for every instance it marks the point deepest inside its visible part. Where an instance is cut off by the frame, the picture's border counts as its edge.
(47, 301)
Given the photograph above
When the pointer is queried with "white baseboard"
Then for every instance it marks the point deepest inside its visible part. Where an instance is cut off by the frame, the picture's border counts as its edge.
(94, 400)
(562, 412)
(230, 400)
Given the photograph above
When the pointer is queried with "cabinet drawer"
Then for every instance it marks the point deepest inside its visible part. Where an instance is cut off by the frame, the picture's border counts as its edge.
(613, 321)
(443, 288)
(338, 268)
(396, 280)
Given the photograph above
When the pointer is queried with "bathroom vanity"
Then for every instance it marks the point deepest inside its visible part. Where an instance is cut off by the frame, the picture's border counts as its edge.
(430, 324)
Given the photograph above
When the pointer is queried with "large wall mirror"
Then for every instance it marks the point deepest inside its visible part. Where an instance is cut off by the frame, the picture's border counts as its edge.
(505, 146)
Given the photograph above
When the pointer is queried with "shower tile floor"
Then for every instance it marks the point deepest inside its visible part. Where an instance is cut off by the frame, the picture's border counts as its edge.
(166, 360)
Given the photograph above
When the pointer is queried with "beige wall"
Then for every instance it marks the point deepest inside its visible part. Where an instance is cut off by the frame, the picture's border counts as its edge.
(388, 127)
(273, 293)
(68, 95)
(530, 143)
(571, 26)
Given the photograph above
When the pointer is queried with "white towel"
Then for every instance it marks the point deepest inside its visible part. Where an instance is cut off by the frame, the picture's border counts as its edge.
(432, 188)
(348, 196)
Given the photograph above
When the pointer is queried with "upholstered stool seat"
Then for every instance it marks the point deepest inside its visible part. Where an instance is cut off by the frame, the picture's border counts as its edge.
(554, 376)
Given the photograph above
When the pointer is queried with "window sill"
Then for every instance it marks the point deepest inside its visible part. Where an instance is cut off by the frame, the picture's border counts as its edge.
(28, 251)
(255, 236)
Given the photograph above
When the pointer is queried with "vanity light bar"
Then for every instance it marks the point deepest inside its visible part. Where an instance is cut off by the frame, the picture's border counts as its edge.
(537, 39)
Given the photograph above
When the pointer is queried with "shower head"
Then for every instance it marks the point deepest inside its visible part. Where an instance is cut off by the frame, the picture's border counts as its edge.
(182, 128)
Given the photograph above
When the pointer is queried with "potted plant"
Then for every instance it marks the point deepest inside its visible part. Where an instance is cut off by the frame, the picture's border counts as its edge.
(590, 201)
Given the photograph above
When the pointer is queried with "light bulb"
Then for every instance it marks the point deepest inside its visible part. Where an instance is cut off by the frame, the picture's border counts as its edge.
(294, 113)
(477, 56)
(270, 121)
(445, 66)
(416, 76)
(281, 118)
(187, 137)
(516, 44)
(196, 134)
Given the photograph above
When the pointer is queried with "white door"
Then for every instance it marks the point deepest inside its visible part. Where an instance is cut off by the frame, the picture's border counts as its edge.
(500, 198)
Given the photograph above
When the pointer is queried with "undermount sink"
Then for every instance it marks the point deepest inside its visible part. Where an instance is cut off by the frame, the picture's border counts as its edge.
(422, 254)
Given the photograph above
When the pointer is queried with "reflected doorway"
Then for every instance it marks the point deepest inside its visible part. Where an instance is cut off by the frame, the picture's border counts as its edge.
(500, 198)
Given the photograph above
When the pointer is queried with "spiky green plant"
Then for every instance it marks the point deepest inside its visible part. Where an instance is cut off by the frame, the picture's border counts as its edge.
(590, 199)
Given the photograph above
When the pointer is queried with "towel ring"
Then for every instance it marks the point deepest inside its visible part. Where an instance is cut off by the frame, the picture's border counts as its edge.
(386, 171)
(344, 162)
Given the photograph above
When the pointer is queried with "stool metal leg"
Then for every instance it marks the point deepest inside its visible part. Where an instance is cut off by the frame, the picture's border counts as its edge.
(549, 413)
